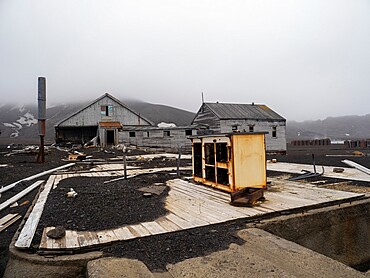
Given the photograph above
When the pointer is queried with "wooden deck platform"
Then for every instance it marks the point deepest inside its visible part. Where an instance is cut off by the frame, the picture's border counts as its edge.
(191, 206)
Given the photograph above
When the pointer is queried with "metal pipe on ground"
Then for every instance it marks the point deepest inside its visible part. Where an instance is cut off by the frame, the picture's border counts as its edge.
(357, 166)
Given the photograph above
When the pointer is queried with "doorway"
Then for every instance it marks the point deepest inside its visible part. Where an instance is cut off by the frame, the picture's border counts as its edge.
(110, 137)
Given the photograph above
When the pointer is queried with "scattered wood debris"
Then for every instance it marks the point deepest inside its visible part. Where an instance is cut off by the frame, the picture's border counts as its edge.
(20, 195)
(8, 220)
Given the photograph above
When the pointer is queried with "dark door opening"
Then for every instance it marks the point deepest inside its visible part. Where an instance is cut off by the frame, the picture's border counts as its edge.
(110, 137)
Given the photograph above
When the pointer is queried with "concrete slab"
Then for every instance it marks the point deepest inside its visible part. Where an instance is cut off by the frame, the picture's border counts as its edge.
(117, 268)
(262, 255)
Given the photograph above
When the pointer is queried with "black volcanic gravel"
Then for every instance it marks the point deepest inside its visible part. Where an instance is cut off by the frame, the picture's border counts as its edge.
(100, 206)
(158, 251)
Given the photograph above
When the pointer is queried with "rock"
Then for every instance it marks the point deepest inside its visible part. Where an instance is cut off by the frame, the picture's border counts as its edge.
(117, 267)
(57, 233)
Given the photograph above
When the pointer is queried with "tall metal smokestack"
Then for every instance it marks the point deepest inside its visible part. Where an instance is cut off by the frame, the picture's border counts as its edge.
(41, 117)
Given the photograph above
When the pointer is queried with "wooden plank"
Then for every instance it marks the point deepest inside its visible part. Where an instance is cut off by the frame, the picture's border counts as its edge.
(216, 207)
(7, 218)
(154, 228)
(123, 233)
(212, 194)
(26, 235)
(194, 210)
(184, 224)
(10, 222)
(59, 243)
(72, 239)
(196, 220)
(139, 227)
(20, 195)
(10, 186)
(138, 230)
(106, 236)
(85, 238)
(168, 225)
(247, 211)
(43, 242)
(57, 179)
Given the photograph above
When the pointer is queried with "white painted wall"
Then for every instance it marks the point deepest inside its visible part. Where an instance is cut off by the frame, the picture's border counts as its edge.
(277, 144)
(91, 115)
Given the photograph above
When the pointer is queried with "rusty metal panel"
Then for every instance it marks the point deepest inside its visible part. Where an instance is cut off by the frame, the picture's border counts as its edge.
(248, 152)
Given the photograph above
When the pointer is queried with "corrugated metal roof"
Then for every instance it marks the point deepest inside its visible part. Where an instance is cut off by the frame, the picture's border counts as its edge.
(110, 124)
(243, 111)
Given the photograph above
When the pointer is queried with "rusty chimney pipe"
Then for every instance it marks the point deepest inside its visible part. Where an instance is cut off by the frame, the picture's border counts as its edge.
(41, 117)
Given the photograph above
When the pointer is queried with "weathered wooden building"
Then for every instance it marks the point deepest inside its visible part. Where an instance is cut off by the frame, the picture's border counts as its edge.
(228, 117)
(103, 119)
(170, 138)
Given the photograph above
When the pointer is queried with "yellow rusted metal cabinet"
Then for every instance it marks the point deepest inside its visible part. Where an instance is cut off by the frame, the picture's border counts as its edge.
(230, 162)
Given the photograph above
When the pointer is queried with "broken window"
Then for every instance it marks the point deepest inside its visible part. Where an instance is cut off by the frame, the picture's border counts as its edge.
(273, 132)
(221, 152)
(234, 128)
(132, 134)
(210, 173)
(197, 148)
(222, 176)
(251, 128)
(209, 153)
(166, 133)
(188, 132)
(106, 110)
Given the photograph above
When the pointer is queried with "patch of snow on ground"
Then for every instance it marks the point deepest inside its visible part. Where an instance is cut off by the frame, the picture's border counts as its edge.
(164, 125)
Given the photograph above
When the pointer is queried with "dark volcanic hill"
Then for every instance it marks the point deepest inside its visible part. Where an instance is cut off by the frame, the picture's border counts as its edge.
(18, 123)
(341, 128)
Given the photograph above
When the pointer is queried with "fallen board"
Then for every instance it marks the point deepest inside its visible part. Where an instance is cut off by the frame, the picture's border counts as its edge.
(20, 195)
(26, 235)
(192, 205)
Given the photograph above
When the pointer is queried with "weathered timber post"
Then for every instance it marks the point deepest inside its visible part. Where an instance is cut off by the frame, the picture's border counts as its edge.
(41, 117)
(178, 163)
(124, 150)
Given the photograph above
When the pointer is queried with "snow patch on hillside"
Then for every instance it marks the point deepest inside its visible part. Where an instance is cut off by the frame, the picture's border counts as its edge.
(27, 119)
(8, 125)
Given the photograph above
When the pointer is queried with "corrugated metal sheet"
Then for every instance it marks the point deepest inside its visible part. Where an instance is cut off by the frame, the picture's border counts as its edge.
(110, 124)
(243, 111)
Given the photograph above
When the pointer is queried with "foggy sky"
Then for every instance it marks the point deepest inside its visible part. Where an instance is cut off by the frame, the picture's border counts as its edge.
(306, 59)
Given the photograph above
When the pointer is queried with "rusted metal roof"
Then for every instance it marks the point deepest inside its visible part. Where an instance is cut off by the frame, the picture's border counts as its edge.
(243, 111)
(110, 124)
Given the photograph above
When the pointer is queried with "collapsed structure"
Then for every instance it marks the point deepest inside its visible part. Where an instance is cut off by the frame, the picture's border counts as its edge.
(111, 122)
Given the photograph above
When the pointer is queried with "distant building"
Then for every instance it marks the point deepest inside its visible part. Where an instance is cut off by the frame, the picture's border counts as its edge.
(227, 117)
(103, 118)
(111, 122)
